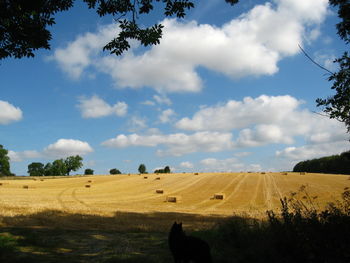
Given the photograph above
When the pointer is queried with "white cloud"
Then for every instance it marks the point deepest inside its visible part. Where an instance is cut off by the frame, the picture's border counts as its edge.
(9, 113)
(251, 44)
(326, 59)
(67, 147)
(176, 144)
(96, 107)
(166, 116)
(148, 102)
(227, 165)
(265, 119)
(313, 151)
(186, 165)
(240, 114)
(20, 156)
(81, 53)
(60, 149)
(137, 123)
(162, 99)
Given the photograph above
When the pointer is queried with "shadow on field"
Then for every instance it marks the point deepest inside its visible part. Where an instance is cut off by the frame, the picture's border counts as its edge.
(56, 236)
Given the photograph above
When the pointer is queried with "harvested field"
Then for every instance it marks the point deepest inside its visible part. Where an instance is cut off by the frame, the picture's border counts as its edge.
(249, 193)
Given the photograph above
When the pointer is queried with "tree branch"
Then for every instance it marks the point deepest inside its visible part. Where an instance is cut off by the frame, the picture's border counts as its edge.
(313, 61)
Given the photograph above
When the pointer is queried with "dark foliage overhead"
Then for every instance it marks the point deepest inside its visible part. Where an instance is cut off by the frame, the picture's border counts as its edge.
(24, 23)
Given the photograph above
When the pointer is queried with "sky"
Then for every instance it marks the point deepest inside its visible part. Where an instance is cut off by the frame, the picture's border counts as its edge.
(227, 89)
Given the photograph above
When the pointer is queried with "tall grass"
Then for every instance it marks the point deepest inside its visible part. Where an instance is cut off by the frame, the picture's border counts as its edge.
(298, 233)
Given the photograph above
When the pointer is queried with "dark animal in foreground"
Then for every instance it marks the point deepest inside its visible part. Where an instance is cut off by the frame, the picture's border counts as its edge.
(187, 249)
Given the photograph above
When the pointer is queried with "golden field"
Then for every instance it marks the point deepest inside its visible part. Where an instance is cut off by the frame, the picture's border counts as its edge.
(244, 193)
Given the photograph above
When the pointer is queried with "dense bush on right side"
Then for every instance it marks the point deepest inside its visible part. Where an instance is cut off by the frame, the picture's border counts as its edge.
(335, 164)
(299, 233)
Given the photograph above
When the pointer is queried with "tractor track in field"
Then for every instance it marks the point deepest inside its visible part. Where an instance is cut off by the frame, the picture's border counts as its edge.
(267, 193)
(223, 190)
(254, 199)
(149, 196)
(231, 195)
(59, 198)
(74, 196)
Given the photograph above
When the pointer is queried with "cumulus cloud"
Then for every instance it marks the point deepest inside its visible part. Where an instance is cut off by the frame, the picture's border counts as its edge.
(166, 116)
(265, 119)
(60, 149)
(251, 44)
(137, 123)
(67, 147)
(96, 107)
(82, 53)
(176, 144)
(9, 113)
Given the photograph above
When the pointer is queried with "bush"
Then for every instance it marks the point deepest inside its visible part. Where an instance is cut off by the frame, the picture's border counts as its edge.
(89, 171)
(114, 171)
(299, 233)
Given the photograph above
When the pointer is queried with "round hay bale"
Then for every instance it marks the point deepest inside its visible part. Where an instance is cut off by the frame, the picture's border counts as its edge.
(158, 178)
(145, 177)
(195, 173)
(89, 181)
(87, 186)
(25, 186)
(159, 191)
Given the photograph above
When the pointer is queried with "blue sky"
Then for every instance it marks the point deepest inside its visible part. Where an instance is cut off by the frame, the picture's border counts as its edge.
(226, 90)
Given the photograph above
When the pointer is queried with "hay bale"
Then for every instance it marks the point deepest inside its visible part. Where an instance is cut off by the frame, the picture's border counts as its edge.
(157, 178)
(89, 181)
(195, 173)
(302, 173)
(219, 196)
(87, 186)
(0, 184)
(42, 180)
(159, 191)
(284, 173)
(173, 199)
(145, 177)
(263, 173)
(25, 186)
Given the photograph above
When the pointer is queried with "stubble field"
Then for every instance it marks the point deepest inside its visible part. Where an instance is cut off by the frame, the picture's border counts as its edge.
(244, 193)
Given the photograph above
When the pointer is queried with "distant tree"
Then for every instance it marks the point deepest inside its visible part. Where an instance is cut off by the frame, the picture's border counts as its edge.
(335, 164)
(59, 168)
(142, 169)
(73, 163)
(88, 171)
(36, 169)
(167, 170)
(24, 23)
(48, 170)
(4, 162)
(114, 171)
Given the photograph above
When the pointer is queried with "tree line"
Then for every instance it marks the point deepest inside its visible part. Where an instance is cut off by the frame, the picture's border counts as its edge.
(335, 164)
